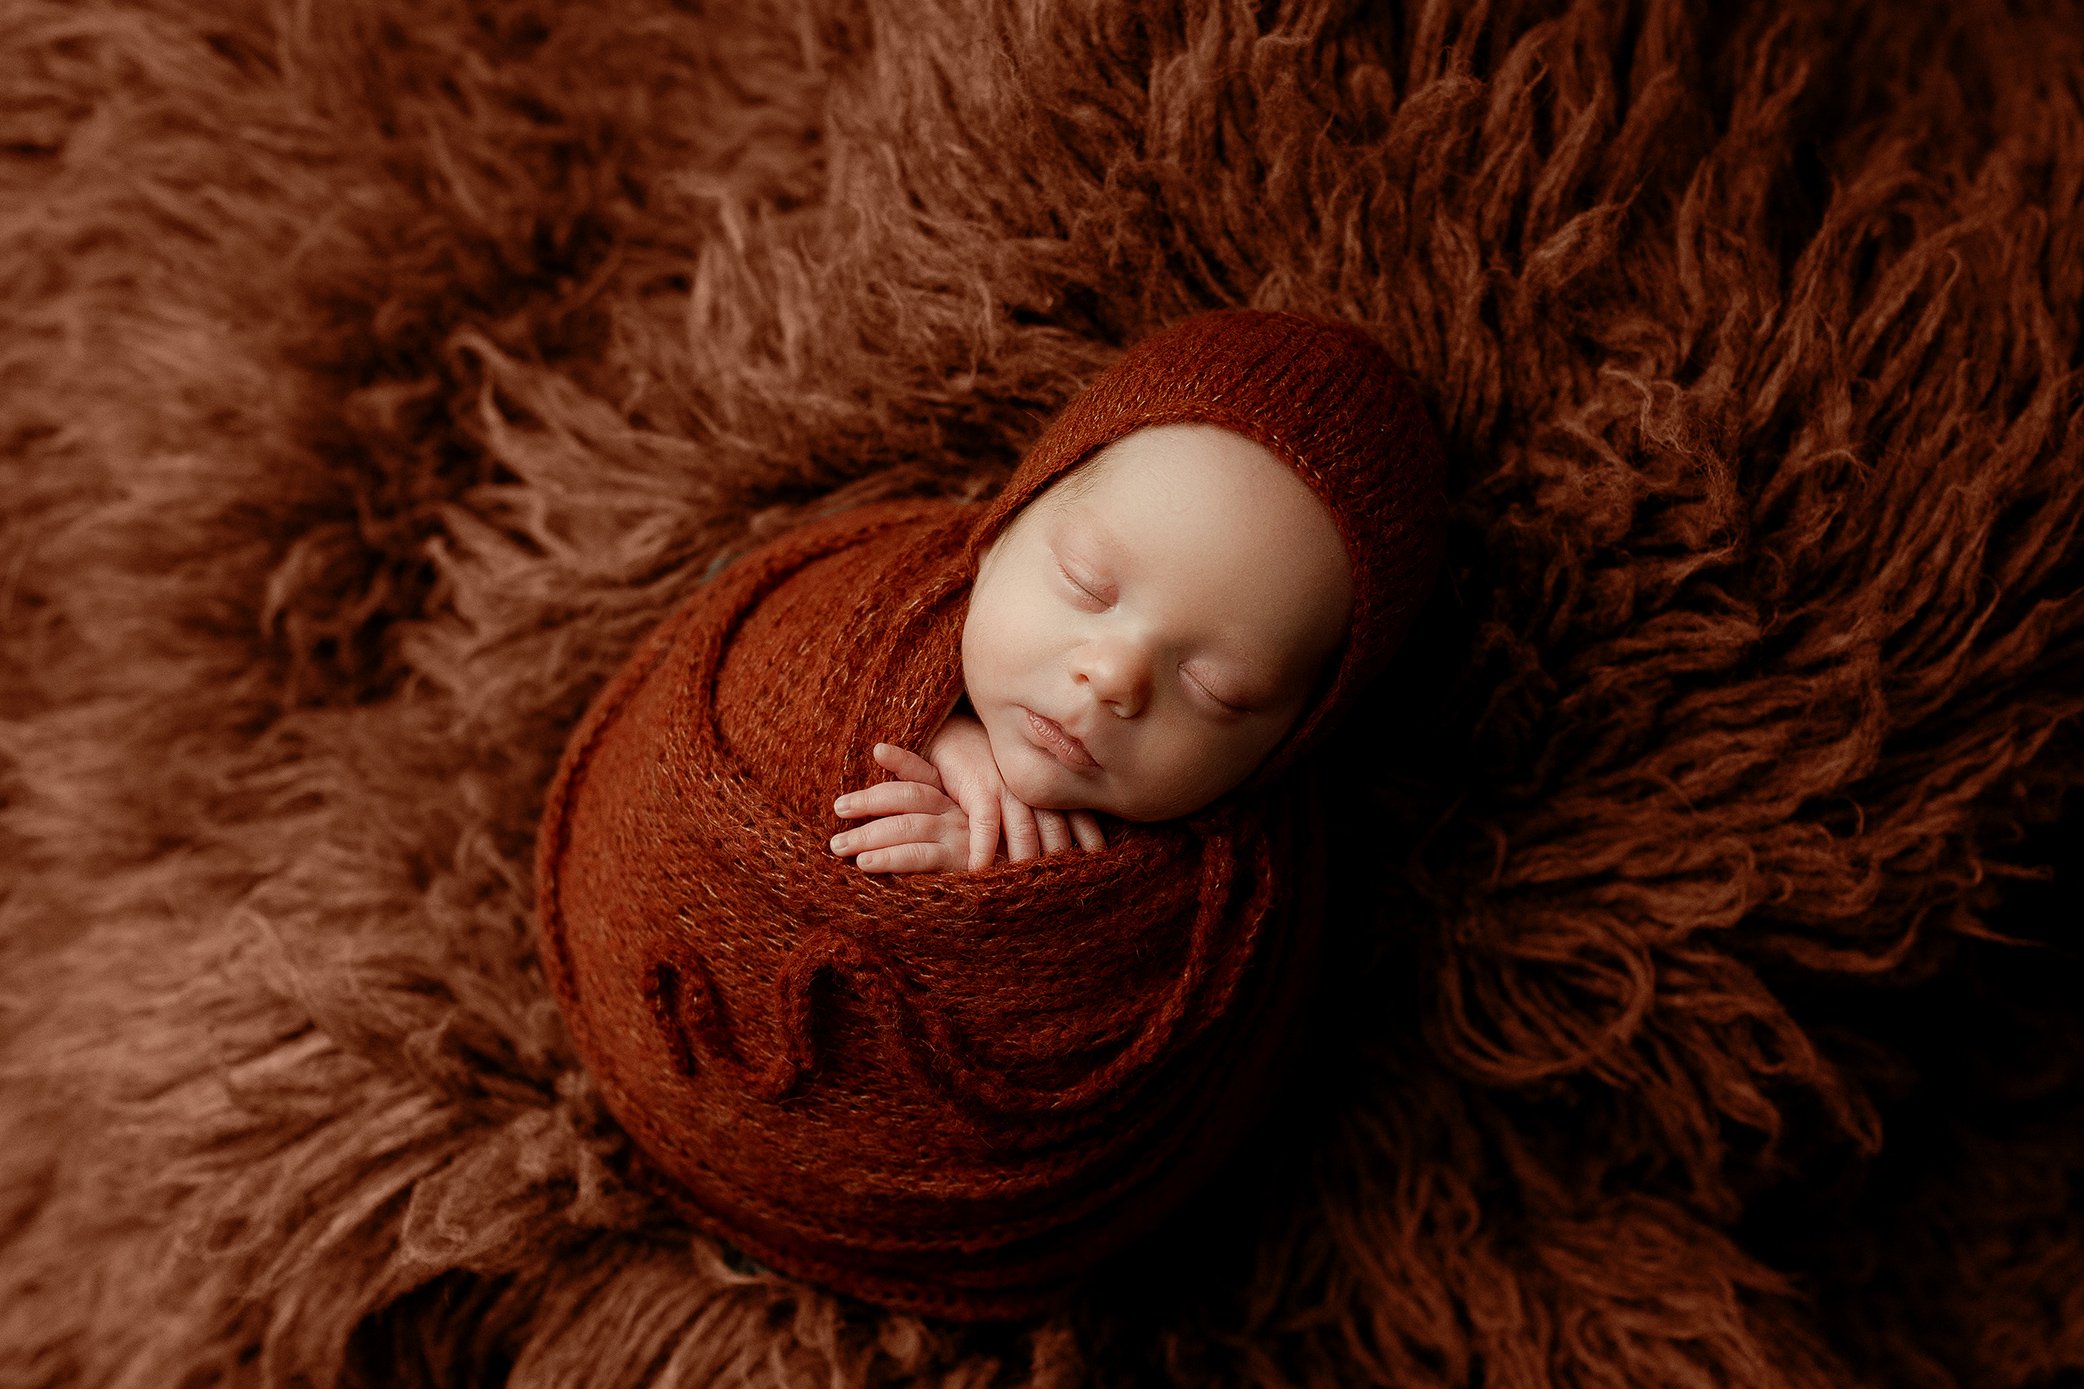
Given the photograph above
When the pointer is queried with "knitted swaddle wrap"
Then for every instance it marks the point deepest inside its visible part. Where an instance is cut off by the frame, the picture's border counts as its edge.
(952, 1093)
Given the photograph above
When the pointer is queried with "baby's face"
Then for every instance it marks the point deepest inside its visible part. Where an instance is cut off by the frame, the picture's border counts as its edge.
(1171, 606)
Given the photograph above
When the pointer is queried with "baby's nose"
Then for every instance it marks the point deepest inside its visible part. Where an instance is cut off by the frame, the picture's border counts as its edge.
(1119, 678)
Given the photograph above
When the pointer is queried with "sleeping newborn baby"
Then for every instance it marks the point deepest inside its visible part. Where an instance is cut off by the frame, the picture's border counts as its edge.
(960, 1092)
(1138, 640)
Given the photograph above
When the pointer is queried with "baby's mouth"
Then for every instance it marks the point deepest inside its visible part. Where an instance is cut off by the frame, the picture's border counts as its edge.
(1051, 736)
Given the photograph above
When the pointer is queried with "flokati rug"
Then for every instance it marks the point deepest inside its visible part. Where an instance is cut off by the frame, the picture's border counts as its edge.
(373, 375)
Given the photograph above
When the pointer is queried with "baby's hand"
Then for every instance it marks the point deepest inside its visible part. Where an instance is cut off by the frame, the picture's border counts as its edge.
(920, 829)
(961, 752)
(923, 830)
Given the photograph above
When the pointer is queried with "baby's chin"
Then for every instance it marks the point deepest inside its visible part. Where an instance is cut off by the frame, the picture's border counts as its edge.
(1039, 780)
(1042, 782)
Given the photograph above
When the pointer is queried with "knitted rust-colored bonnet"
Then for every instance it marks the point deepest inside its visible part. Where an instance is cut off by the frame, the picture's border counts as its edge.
(953, 1093)
(1324, 398)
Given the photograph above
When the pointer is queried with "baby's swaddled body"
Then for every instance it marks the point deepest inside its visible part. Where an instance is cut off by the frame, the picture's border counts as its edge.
(950, 1092)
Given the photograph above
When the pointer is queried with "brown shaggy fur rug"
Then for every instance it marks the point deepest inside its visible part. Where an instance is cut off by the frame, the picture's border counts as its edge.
(373, 372)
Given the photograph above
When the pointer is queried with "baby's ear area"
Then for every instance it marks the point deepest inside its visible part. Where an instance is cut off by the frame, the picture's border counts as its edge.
(987, 558)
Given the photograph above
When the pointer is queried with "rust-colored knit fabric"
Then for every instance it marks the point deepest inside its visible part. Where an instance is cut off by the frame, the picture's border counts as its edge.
(952, 1093)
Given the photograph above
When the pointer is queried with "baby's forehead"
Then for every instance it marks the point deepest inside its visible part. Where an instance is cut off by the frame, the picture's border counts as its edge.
(1193, 473)
(1179, 454)
(1233, 543)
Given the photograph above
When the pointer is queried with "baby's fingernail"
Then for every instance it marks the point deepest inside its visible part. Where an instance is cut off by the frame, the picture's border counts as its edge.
(838, 842)
(843, 802)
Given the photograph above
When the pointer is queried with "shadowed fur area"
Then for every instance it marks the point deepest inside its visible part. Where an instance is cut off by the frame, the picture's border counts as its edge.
(374, 374)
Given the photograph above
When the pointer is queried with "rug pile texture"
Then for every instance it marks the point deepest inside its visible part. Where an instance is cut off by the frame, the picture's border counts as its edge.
(373, 373)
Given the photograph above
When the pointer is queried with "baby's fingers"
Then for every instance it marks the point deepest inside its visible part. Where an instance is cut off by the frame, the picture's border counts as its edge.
(907, 764)
(892, 798)
(1023, 837)
(881, 834)
(984, 837)
(902, 844)
(1049, 824)
(906, 858)
(981, 805)
(1086, 827)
